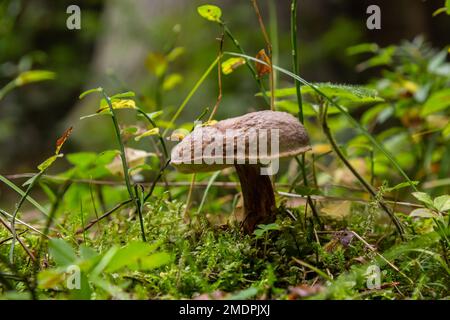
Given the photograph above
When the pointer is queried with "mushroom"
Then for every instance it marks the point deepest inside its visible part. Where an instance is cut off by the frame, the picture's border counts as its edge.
(252, 143)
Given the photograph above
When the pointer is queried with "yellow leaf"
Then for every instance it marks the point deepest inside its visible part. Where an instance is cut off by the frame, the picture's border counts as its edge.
(156, 63)
(321, 148)
(209, 123)
(47, 163)
(119, 104)
(171, 81)
(210, 12)
(232, 64)
(150, 132)
(178, 135)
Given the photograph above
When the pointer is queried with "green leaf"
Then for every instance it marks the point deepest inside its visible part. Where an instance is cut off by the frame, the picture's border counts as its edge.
(344, 93)
(151, 132)
(62, 252)
(155, 114)
(446, 131)
(156, 63)
(87, 253)
(362, 48)
(264, 228)
(81, 159)
(442, 203)
(171, 81)
(439, 101)
(384, 57)
(139, 168)
(423, 197)
(85, 93)
(129, 254)
(47, 163)
(210, 12)
(123, 95)
(422, 213)
(175, 53)
(153, 261)
(244, 294)
(34, 76)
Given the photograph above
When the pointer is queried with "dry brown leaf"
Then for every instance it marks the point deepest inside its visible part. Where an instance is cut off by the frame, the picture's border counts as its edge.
(261, 68)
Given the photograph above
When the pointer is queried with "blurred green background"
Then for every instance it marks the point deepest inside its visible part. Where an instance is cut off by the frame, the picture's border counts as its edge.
(117, 37)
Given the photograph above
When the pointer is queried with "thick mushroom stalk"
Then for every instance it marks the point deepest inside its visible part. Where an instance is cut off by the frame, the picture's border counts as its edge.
(259, 203)
(238, 142)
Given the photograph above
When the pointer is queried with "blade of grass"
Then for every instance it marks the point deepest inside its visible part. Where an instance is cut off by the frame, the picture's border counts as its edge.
(191, 93)
(205, 194)
(295, 68)
(22, 193)
(123, 156)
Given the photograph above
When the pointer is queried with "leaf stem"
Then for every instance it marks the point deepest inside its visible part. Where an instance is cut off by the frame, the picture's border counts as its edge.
(123, 156)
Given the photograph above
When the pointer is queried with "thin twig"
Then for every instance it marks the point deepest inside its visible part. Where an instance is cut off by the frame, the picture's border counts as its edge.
(103, 216)
(372, 249)
(16, 236)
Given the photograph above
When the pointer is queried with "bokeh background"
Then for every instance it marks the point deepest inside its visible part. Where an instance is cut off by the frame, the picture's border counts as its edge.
(112, 50)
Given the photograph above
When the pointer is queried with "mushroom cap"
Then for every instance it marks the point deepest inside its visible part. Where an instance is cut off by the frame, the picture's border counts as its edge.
(189, 156)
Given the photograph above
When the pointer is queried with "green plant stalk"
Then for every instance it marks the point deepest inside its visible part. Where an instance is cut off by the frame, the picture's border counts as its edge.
(16, 211)
(273, 30)
(295, 64)
(269, 49)
(7, 88)
(122, 155)
(353, 122)
(249, 65)
(191, 93)
(295, 68)
(139, 210)
(367, 186)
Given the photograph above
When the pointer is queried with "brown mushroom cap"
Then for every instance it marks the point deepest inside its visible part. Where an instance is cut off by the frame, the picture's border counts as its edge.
(293, 140)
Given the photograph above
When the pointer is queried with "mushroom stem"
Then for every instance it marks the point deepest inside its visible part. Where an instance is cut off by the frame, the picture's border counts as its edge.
(259, 199)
